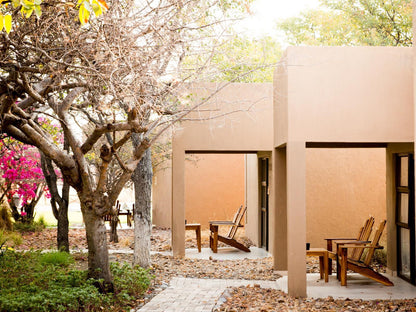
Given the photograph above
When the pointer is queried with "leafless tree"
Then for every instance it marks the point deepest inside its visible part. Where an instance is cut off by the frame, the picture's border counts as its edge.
(116, 75)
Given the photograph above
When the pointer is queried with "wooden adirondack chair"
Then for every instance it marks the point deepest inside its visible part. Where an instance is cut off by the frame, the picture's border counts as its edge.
(229, 239)
(362, 266)
(355, 254)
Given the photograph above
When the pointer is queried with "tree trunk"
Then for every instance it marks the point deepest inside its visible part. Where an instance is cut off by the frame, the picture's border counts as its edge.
(142, 178)
(63, 229)
(15, 212)
(61, 213)
(98, 261)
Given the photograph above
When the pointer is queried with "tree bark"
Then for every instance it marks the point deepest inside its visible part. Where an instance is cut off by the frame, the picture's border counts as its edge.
(61, 213)
(63, 229)
(98, 261)
(142, 179)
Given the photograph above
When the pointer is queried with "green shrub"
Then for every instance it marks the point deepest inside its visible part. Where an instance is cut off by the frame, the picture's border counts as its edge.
(56, 258)
(32, 281)
(380, 257)
(8, 240)
(35, 226)
(129, 282)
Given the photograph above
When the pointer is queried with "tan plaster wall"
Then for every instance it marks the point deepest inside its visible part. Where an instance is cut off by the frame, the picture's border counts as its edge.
(252, 227)
(239, 117)
(343, 188)
(345, 94)
(162, 196)
(214, 187)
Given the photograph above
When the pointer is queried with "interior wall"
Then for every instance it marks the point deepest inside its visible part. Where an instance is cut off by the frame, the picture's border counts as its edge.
(214, 187)
(343, 188)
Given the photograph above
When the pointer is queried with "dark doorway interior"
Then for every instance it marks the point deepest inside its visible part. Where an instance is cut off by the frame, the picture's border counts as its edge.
(264, 202)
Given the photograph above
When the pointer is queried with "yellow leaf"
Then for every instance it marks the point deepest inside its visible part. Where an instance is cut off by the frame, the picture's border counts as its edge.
(8, 23)
(87, 6)
(97, 8)
(38, 10)
(1, 22)
(15, 3)
(103, 3)
(27, 8)
(27, 4)
(27, 12)
(84, 15)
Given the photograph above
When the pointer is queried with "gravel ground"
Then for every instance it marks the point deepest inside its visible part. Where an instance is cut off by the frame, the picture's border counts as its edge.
(238, 298)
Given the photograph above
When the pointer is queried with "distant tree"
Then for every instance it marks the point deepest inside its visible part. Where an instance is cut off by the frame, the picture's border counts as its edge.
(21, 178)
(244, 59)
(351, 23)
(239, 58)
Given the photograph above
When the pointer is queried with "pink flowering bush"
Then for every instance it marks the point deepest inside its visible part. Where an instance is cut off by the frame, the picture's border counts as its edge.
(21, 173)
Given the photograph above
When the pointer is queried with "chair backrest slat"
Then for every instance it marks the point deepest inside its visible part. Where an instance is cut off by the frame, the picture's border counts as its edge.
(363, 236)
(374, 243)
(237, 221)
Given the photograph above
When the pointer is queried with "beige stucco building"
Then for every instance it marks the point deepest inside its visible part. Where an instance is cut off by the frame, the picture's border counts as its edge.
(244, 139)
(351, 98)
(329, 143)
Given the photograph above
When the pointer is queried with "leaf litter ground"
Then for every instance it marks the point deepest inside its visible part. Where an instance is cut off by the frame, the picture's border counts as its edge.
(166, 267)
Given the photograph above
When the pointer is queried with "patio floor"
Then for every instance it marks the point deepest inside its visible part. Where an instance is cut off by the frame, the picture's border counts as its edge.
(359, 287)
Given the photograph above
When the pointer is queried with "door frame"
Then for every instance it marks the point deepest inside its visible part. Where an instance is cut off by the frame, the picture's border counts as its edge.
(401, 224)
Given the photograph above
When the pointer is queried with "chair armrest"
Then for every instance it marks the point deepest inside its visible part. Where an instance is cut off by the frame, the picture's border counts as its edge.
(221, 223)
(353, 243)
(359, 246)
(329, 241)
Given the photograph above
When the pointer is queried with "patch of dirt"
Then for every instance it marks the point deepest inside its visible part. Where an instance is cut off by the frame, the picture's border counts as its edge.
(160, 239)
(271, 300)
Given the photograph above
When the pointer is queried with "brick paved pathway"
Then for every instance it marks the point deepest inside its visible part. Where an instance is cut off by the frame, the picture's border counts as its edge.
(195, 294)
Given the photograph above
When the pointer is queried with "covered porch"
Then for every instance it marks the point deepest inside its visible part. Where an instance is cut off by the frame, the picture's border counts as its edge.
(343, 97)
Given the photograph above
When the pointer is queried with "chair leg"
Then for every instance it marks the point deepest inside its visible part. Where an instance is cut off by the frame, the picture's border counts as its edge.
(342, 259)
(198, 237)
(329, 248)
(321, 267)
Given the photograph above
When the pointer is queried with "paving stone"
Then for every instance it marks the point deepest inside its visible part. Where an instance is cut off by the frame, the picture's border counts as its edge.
(195, 294)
